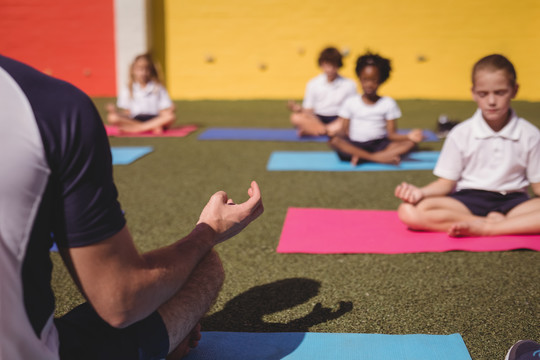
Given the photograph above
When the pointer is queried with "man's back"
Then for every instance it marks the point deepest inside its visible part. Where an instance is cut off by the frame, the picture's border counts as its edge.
(46, 129)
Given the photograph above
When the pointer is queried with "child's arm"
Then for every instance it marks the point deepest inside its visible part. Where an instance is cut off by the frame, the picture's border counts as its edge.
(414, 135)
(338, 127)
(412, 194)
(536, 188)
(309, 112)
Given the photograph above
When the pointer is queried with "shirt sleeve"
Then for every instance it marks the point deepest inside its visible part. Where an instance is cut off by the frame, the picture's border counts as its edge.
(533, 165)
(345, 111)
(87, 198)
(450, 163)
(123, 100)
(309, 96)
(393, 112)
(165, 101)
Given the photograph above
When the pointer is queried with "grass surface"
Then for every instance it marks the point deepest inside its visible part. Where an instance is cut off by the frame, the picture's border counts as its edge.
(492, 299)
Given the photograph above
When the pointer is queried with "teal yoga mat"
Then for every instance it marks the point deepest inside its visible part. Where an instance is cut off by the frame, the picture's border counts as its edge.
(329, 161)
(309, 346)
(124, 155)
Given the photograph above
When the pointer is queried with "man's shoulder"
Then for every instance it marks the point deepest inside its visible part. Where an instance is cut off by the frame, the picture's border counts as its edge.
(44, 91)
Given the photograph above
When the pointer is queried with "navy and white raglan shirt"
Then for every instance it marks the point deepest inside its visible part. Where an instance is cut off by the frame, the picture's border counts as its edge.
(55, 182)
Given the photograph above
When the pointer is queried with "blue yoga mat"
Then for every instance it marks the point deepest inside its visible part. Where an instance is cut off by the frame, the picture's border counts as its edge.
(329, 161)
(261, 134)
(309, 346)
(125, 155)
(272, 134)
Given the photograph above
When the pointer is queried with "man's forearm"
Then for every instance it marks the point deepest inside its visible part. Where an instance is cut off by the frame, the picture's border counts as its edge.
(128, 291)
(167, 269)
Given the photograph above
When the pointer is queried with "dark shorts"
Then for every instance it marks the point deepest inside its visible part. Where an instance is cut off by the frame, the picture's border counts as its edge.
(144, 117)
(481, 202)
(84, 335)
(369, 146)
(327, 119)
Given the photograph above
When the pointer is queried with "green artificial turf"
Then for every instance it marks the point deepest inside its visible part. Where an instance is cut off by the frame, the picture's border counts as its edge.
(491, 299)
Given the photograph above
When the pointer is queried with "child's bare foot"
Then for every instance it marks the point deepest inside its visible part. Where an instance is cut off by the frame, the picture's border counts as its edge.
(190, 342)
(157, 131)
(385, 157)
(311, 129)
(495, 216)
(131, 128)
(473, 228)
(334, 128)
(318, 129)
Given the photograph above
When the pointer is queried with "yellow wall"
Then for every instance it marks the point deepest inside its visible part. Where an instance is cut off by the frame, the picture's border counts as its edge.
(268, 48)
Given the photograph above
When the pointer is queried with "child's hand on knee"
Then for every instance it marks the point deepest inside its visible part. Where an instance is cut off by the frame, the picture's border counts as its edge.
(416, 135)
(408, 193)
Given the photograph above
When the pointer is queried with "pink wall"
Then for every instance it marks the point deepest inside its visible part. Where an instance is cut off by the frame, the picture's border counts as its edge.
(71, 40)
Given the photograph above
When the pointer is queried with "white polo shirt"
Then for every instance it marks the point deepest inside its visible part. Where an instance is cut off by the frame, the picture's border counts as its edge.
(368, 122)
(149, 100)
(324, 97)
(479, 158)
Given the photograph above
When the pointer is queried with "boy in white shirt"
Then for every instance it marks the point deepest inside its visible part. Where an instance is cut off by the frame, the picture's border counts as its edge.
(485, 167)
(323, 97)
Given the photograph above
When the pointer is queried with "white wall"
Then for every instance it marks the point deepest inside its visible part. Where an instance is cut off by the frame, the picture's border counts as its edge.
(131, 35)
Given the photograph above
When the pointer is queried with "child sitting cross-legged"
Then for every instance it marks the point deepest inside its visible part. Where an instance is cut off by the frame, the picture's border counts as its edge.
(324, 95)
(368, 129)
(144, 105)
(485, 167)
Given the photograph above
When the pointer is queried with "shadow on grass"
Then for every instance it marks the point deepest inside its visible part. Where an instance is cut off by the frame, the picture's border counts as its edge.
(245, 312)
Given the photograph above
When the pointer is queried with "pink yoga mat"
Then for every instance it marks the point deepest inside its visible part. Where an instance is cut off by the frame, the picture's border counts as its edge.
(172, 132)
(331, 231)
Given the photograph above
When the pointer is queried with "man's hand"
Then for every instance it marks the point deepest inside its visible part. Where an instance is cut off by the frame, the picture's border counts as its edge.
(227, 218)
(409, 193)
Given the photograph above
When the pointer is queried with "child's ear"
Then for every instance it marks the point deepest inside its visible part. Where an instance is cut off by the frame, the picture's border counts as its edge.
(516, 88)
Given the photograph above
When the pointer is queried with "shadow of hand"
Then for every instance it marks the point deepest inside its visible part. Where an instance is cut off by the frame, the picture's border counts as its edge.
(321, 314)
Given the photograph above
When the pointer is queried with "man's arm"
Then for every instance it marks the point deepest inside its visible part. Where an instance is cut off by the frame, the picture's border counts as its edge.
(124, 286)
(412, 194)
